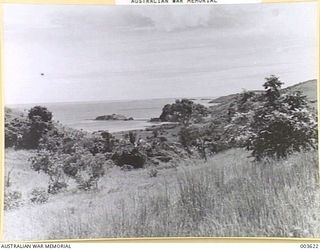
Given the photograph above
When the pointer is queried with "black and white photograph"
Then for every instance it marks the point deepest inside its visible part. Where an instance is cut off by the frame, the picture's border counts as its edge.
(126, 121)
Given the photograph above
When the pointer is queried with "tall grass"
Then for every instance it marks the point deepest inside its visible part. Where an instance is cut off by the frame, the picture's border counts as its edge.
(228, 196)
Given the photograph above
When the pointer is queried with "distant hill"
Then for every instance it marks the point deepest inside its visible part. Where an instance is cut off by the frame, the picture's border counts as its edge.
(308, 88)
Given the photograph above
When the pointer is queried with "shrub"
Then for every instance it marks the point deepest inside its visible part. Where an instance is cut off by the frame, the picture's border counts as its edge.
(132, 137)
(51, 164)
(75, 154)
(100, 142)
(15, 131)
(12, 199)
(91, 169)
(26, 132)
(39, 195)
(153, 172)
(81, 165)
(187, 136)
(56, 187)
(134, 158)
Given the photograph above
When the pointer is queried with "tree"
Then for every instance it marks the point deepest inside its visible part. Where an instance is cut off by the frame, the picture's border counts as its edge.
(183, 111)
(282, 124)
(40, 112)
(40, 123)
(272, 87)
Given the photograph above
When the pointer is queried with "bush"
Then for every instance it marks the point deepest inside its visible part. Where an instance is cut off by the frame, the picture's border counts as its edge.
(26, 132)
(91, 170)
(132, 137)
(75, 154)
(153, 172)
(56, 187)
(39, 195)
(12, 199)
(15, 131)
(187, 137)
(133, 158)
(81, 165)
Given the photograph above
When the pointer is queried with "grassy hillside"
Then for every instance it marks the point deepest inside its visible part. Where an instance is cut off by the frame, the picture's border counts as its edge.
(308, 88)
(228, 196)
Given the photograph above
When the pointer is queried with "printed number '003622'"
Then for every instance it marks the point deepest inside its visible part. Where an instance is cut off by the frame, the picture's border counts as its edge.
(309, 246)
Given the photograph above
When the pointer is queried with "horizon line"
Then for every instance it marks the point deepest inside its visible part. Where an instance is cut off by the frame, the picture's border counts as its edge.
(139, 99)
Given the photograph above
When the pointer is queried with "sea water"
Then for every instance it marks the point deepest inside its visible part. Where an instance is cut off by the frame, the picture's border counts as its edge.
(81, 115)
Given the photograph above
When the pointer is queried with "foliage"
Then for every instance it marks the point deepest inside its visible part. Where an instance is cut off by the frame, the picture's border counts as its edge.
(187, 136)
(39, 195)
(153, 172)
(40, 124)
(204, 139)
(273, 123)
(41, 113)
(272, 88)
(183, 111)
(281, 132)
(15, 130)
(87, 168)
(12, 199)
(50, 164)
(132, 157)
(229, 196)
(66, 153)
(132, 137)
(81, 165)
(26, 132)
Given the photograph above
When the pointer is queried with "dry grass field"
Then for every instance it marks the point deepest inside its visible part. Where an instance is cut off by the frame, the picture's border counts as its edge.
(230, 195)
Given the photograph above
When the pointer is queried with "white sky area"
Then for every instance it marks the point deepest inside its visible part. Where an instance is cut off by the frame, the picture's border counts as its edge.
(93, 53)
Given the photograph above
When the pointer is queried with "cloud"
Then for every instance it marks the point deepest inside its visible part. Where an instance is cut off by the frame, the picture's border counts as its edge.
(171, 18)
(121, 48)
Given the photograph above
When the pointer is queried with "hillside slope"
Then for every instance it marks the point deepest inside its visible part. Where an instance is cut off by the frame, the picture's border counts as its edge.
(308, 88)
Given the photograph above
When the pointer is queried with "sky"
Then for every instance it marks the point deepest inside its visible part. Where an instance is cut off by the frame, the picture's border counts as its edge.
(70, 53)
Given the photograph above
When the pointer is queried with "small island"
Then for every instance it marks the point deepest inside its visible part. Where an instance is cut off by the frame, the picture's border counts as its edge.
(113, 117)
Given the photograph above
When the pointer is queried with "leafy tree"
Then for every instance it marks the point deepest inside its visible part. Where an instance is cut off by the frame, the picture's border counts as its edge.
(40, 113)
(183, 111)
(282, 124)
(272, 87)
(272, 123)
(40, 122)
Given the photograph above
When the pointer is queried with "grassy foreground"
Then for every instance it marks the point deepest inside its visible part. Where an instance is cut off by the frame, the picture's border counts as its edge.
(228, 196)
